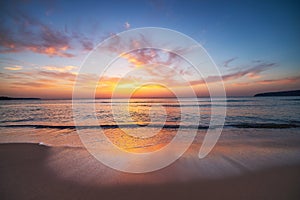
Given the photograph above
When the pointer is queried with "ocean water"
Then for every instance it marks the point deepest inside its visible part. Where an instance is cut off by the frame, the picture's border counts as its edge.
(139, 122)
(239, 112)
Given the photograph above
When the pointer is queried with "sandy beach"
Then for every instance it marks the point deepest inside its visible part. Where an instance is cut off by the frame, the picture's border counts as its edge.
(255, 166)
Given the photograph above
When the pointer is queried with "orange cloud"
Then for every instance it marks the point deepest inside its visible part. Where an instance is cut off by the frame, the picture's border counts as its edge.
(51, 50)
(133, 60)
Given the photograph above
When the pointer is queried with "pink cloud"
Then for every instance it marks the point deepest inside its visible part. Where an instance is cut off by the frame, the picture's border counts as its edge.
(22, 32)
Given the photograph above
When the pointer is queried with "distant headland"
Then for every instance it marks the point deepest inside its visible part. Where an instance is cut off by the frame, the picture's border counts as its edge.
(13, 98)
(282, 93)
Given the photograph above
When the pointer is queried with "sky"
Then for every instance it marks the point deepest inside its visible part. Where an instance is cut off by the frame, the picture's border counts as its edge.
(43, 44)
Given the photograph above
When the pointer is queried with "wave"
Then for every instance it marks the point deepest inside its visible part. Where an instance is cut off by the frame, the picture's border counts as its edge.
(106, 126)
(163, 126)
(17, 120)
(264, 125)
(178, 100)
(228, 100)
(290, 99)
(201, 105)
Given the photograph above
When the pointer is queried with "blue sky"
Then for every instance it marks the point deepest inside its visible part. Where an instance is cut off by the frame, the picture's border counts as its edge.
(237, 34)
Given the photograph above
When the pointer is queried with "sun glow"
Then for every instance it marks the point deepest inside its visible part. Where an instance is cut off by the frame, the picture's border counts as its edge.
(152, 90)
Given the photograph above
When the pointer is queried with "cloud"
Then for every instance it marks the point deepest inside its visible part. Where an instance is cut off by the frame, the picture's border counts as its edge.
(227, 62)
(51, 51)
(12, 62)
(287, 80)
(86, 43)
(49, 77)
(52, 73)
(250, 72)
(22, 32)
(15, 68)
(159, 65)
(142, 57)
(281, 81)
(146, 55)
(57, 75)
(127, 25)
(32, 84)
(59, 69)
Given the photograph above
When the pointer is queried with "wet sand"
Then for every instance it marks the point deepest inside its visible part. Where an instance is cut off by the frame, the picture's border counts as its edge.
(255, 167)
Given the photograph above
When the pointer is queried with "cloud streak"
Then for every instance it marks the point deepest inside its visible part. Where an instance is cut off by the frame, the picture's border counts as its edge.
(227, 62)
(59, 69)
(250, 72)
(15, 68)
(286, 80)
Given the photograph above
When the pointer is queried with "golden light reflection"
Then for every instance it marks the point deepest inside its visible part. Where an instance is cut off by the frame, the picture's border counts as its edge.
(130, 143)
(130, 139)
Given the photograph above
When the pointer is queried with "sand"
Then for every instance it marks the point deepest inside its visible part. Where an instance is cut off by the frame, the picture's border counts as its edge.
(255, 166)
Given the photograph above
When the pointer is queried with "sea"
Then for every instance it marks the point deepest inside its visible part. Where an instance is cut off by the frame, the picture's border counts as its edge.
(128, 122)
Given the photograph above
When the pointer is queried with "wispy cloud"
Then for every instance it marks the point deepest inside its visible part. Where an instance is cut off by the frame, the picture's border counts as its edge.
(55, 75)
(15, 68)
(32, 84)
(227, 62)
(250, 72)
(286, 80)
(59, 69)
(280, 81)
(46, 74)
(85, 42)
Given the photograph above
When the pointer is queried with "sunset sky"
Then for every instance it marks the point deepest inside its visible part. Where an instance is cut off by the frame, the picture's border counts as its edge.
(255, 44)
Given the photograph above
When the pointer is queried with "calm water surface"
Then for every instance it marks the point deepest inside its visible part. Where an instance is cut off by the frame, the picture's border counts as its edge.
(141, 125)
(275, 110)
